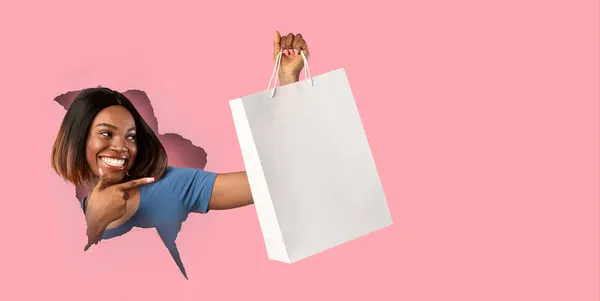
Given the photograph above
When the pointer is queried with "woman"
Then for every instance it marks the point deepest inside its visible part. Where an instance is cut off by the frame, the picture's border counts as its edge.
(104, 144)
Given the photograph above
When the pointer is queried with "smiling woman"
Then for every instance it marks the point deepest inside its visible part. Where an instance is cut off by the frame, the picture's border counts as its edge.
(101, 127)
(105, 145)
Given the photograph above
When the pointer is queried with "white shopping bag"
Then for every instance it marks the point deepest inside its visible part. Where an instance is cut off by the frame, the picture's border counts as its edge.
(310, 168)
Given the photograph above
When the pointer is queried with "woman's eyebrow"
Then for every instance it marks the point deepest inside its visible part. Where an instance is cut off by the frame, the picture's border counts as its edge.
(107, 125)
(112, 126)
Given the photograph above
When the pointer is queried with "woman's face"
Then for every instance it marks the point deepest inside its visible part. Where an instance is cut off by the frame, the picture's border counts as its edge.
(111, 143)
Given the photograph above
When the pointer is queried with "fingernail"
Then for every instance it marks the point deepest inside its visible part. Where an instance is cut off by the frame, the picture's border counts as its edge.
(149, 180)
(286, 52)
(296, 51)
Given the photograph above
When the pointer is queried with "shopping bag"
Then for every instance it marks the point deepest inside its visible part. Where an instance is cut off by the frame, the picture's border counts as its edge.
(309, 164)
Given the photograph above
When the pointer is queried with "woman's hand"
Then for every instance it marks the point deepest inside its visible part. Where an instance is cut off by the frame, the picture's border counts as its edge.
(291, 59)
(106, 204)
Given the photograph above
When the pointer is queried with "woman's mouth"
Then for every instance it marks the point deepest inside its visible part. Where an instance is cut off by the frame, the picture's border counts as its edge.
(114, 163)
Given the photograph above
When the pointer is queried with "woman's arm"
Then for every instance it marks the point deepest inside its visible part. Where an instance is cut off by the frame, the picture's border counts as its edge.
(231, 190)
(285, 79)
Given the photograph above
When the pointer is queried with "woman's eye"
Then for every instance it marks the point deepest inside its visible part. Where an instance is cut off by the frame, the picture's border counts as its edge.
(105, 134)
(132, 138)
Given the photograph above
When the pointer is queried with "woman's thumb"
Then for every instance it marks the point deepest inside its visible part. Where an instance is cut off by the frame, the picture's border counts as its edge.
(277, 43)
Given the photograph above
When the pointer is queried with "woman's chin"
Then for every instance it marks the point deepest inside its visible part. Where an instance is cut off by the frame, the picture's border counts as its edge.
(114, 174)
(115, 177)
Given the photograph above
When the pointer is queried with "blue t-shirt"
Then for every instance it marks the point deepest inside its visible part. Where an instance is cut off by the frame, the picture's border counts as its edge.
(166, 204)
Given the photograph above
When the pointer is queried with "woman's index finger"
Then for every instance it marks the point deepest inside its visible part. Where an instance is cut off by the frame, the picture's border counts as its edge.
(135, 183)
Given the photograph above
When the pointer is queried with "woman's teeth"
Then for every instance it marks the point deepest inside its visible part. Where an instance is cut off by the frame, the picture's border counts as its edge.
(113, 162)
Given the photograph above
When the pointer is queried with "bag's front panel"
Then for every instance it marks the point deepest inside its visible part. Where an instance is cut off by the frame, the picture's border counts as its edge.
(317, 163)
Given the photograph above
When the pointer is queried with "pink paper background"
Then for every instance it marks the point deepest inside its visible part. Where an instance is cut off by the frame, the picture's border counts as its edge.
(483, 118)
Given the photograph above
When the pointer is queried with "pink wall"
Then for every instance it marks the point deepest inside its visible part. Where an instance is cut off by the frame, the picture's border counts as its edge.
(483, 118)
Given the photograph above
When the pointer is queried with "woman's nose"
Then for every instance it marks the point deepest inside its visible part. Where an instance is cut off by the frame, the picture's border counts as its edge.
(119, 145)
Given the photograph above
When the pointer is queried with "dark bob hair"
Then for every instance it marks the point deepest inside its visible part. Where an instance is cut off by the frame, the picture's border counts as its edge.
(69, 150)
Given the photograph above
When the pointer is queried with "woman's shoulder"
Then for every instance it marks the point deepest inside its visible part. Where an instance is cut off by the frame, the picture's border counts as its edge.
(191, 186)
(179, 171)
(181, 174)
(171, 179)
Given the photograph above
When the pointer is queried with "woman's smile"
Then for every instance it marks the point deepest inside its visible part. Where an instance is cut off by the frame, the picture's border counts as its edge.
(113, 163)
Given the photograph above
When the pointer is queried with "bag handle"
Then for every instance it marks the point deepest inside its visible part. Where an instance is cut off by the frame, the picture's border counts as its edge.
(275, 73)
